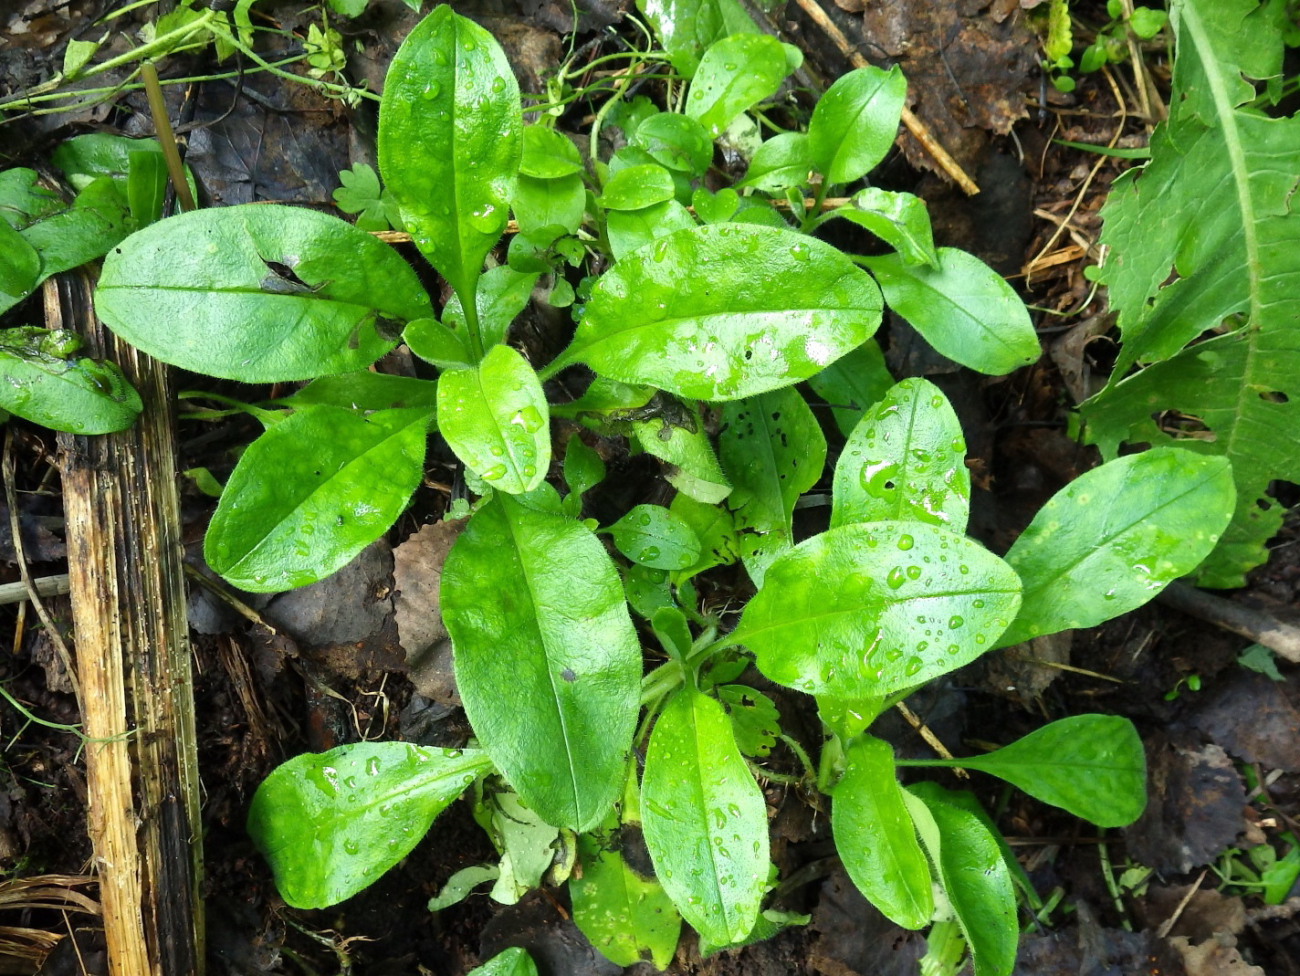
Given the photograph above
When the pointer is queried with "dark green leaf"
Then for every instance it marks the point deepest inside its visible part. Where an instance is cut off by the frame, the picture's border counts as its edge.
(725, 311)
(364, 390)
(855, 122)
(331, 823)
(533, 604)
(71, 236)
(290, 517)
(258, 293)
(510, 962)
(875, 608)
(20, 268)
(41, 382)
(714, 527)
(755, 720)
(781, 162)
(638, 187)
(583, 469)
(735, 74)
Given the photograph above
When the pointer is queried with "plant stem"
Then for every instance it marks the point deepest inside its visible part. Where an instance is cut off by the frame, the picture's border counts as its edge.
(162, 125)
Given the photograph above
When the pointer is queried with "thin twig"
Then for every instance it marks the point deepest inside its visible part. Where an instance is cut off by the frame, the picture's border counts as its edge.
(930, 738)
(56, 585)
(1167, 925)
(1281, 638)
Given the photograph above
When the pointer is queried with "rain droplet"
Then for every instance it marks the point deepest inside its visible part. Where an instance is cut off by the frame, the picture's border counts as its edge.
(495, 473)
(905, 542)
(896, 577)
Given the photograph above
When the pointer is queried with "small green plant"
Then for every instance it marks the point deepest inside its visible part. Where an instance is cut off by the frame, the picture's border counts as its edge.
(1111, 44)
(685, 316)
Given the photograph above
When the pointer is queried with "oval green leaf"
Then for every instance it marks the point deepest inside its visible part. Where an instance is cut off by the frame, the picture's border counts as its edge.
(870, 609)
(547, 154)
(1116, 536)
(725, 311)
(676, 141)
(899, 219)
(494, 417)
(365, 390)
(1091, 765)
(20, 267)
(82, 396)
(735, 74)
(906, 459)
(852, 384)
(637, 187)
(781, 162)
(291, 516)
(331, 823)
(974, 875)
(258, 293)
(547, 661)
(856, 122)
(451, 141)
(652, 536)
(876, 839)
(963, 308)
(705, 819)
(630, 230)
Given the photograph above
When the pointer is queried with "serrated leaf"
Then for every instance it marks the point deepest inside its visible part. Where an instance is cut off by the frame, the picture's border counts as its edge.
(906, 459)
(1214, 206)
(963, 308)
(875, 837)
(852, 384)
(705, 819)
(725, 311)
(871, 609)
(772, 451)
(83, 396)
(533, 603)
(735, 74)
(451, 141)
(286, 293)
(855, 123)
(494, 417)
(652, 536)
(330, 824)
(1090, 765)
(1116, 536)
(973, 874)
(290, 517)
(899, 219)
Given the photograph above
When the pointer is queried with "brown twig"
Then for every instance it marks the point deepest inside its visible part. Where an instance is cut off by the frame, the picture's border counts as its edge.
(1263, 628)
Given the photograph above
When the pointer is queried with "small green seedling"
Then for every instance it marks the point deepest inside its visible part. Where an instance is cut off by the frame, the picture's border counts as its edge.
(698, 312)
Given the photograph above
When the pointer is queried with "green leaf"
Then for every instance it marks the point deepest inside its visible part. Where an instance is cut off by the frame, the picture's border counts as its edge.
(871, 609)
(755, 720)
(638, 187)
(1091, 765)
(1206, 236)
(501, 295)
(41, 382)
(548, 155)
(20, 268)
(963, 308)
(86, 158)
(906, 459)
(678, 142)
(71, 236)
(364, 390)
(716, 208)
(693, 467)
(630, 230)
(533, 604)
(290, 517)
(898, 219)
(1116, 536)
(508, 962)
(852, 384)
(875, 837)
(438, 344)
(725, 311)
(772, 451)
(648, 590)
(687, 27)
(781, 162)
(331, 823)
(855, 122)
(527, 845)
(584, 469)
(735, 74)
(258, 293)
(705, 819)
(494, 417)
(539, 204)
(1147, 22)
(652, 536)
(974, 876)
(450, 142)
(360, 193)
(146, 187)
(714, 527)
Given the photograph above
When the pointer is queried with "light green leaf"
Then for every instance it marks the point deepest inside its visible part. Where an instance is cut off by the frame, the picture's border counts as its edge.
(638, 187)
(686, 446)
(852, 384)
(533, 604)
(781, 162)
(715, 208)
(963, 308)
(1116, 536)
(290, 517)
(906, 459)
(20, 267)
(714, 527)
(725, 311)
(678, 142)
(755, 720)
(1091, 765)
(630, 230)
(899, 219)
(364, 390)
(548, 155)
(438, 344)
(86, 158)
(451, 141)
(42, 382)
(855, 123)
(69, 236)
(687, 27)
(974, 876)
(871, 609)
(875, 837)
(540, 204)
(330, 824)
(772, 451)
(705, 819)
(509, 962)
(494, 417)
(501, 295)
(525, 841)
(584, 469)
(652, 536)
(286, 293)
(735, 74)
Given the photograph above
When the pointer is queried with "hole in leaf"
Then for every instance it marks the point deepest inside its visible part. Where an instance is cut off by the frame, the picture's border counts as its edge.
(1274, 396)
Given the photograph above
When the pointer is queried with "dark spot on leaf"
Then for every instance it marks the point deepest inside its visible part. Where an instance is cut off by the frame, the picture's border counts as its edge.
(568, 675)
